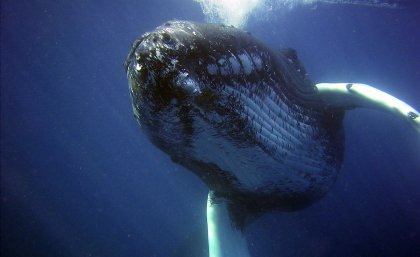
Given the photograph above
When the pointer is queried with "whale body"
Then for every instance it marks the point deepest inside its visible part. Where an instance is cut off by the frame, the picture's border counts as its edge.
(244, 118)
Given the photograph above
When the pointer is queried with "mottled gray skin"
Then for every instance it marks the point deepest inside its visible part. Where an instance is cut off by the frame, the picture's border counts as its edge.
(242, 117)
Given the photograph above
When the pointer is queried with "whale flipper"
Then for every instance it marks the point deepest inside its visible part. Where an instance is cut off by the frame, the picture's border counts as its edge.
(353, 95)
(225, 238)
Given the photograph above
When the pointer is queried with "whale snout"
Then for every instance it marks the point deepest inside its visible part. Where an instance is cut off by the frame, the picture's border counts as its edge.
(160, 66)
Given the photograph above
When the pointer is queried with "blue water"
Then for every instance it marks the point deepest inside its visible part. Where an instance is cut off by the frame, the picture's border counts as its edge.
(78, 178)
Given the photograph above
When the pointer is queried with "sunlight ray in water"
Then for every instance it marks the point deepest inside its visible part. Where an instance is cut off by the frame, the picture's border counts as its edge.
(237, 12)
(230, 12)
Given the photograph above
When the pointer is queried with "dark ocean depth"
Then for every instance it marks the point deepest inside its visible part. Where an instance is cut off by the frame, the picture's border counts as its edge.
(79, 179)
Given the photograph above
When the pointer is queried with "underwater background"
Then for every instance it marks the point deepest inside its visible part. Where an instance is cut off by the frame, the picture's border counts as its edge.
(78, 178)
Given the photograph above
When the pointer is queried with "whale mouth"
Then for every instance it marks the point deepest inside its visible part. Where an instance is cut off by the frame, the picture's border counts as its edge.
(232, 111)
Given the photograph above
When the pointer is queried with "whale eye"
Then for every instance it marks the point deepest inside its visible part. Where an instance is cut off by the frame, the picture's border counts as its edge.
(166, 38)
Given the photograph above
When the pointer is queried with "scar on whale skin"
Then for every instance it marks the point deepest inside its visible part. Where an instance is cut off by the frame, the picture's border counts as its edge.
(245, 119)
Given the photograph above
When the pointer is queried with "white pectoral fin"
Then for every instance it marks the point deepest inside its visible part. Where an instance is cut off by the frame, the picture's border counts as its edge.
(351, 95)
(225, 240)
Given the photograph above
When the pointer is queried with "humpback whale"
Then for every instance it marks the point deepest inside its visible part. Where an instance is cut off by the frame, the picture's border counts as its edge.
(245, 119)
